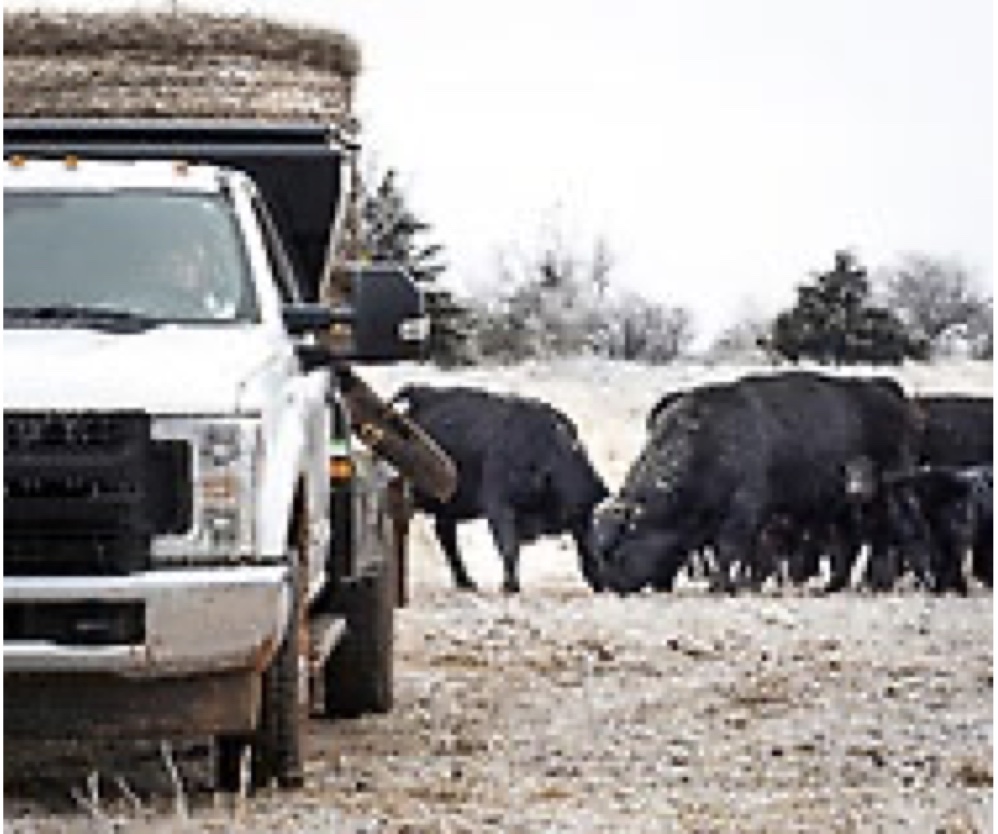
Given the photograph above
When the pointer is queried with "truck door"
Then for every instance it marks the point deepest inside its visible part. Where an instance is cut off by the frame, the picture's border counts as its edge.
(312, 388)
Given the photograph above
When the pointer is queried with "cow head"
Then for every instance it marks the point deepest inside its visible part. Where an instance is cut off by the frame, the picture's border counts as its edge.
(643, 536)
(631, 549)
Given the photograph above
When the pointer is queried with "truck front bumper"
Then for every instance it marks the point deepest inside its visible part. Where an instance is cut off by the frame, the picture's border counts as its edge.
(187, 622)
(202, 639)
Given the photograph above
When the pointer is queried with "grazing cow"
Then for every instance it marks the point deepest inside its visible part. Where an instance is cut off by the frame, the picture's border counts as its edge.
(956, 505)
(722, 460)
(956, 431)
(520, 465)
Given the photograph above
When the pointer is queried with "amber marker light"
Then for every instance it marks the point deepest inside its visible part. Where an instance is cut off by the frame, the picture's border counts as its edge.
(340, 469)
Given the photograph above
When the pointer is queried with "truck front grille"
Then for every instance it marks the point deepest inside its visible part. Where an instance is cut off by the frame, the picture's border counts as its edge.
(85, 492)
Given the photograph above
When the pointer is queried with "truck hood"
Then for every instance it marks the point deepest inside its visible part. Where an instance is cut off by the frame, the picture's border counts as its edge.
(166, 370)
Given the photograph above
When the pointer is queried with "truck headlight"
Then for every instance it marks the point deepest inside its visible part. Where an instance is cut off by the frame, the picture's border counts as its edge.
(225, 461)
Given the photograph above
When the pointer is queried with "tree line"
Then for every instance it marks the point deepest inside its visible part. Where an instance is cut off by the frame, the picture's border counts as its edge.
(556, 299)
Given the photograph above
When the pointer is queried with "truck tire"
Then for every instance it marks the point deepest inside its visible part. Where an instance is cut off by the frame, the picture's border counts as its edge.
(358, 674)
(276, 753)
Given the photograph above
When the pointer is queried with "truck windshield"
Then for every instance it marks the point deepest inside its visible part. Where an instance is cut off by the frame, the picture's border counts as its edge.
(153, 255)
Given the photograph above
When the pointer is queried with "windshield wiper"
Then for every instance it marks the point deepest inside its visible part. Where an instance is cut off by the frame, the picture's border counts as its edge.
(111, 319)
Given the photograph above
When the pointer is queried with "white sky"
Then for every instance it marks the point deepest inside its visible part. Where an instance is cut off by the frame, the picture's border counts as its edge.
(724, 148)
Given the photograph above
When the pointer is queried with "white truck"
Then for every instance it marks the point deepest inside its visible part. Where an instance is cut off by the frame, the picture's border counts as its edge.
(194, 543)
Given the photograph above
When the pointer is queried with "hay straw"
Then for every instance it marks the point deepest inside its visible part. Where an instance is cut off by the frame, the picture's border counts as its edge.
(189, 64)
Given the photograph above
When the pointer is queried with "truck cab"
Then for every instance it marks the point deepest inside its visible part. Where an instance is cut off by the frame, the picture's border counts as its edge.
(181, 555)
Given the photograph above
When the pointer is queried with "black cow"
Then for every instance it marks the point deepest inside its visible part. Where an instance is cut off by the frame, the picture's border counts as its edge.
(520, 465)
(956, 505)
(953, 485)
(722, 460)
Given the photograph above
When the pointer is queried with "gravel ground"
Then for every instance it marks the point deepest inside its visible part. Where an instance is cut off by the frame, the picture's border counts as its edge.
(562, 711)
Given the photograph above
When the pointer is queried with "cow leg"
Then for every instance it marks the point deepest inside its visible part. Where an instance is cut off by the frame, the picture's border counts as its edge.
(727, 556)
(735, 543)
(665, 581)
(844, 543)
(720, 575)
(918, 557)
(760, 564)
(982, 563)
(446, 530)
(949, 569)
(502, 523)
(841, 559)
(900, 537)
(801, 563)
(982, 539)
(885, 517)
(883, 568)
(803, 559)
(698, 563)
(951, 534)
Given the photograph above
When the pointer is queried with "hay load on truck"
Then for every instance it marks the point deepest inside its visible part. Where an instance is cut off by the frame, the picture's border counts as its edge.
(195, 542)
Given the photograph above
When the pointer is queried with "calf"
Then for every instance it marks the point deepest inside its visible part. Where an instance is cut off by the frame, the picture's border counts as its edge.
(956, 506)
(520, 466)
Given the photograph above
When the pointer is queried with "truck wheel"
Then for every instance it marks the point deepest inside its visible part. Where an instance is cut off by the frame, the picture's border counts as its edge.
(357, 676)
(276, 745)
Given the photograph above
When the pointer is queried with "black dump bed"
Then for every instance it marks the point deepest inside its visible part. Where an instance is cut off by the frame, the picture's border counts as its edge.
(299, 168)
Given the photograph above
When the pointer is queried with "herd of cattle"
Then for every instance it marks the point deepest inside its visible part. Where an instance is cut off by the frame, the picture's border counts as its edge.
(763, 477)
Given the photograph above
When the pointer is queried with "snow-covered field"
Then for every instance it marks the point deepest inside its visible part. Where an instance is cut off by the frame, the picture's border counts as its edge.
(559, 710)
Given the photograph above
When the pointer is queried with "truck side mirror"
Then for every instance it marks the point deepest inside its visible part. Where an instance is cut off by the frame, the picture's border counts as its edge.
(389, 319)
(309, 319)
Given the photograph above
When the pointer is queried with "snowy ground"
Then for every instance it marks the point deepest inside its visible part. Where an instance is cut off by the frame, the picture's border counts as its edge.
(563, 711)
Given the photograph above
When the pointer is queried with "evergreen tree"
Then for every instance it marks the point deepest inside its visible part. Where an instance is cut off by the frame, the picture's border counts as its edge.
(391, 232)
(835, 321)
